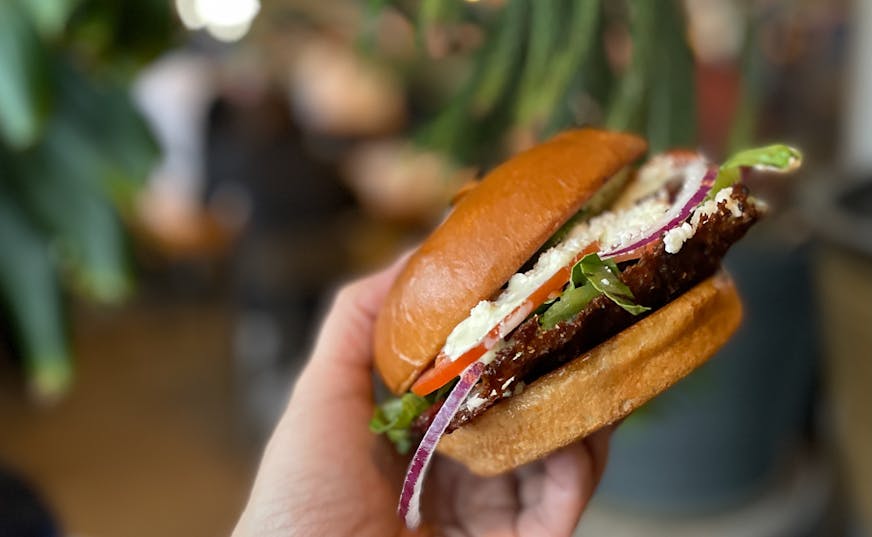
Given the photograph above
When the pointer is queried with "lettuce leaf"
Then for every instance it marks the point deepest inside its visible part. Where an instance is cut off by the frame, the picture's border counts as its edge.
(572, 301)
(777, 158)
(603, 276)
(394, 416)
(597, 204)
(589, 278)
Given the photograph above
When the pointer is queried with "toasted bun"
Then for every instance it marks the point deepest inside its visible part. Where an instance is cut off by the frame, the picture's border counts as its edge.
(603, 385)
(492, 231)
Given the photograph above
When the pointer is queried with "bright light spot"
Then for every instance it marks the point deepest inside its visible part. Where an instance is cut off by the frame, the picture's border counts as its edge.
(227, 13)
(227, 20)
(229, 33)
(189, 15)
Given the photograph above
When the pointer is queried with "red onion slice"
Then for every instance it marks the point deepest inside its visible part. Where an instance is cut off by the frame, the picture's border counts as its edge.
(410, 498)
(699, 178)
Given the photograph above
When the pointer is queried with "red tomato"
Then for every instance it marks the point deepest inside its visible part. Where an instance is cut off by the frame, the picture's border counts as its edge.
(445, 369)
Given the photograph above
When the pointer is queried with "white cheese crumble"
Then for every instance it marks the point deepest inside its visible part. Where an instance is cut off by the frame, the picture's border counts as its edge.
(658, 171)
(491, 353)
(611, 229)
(474, 401)
(675, 238)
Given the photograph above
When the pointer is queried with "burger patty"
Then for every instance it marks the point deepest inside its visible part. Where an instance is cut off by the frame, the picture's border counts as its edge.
(655, 279)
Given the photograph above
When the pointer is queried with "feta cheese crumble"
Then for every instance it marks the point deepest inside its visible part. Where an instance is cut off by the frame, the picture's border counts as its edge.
(611, 229)
(675, 238)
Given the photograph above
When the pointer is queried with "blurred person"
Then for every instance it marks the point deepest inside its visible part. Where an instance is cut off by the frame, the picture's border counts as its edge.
(324, 473)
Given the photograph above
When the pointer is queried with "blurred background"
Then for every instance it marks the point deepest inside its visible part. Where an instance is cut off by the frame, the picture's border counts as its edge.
(183, 183)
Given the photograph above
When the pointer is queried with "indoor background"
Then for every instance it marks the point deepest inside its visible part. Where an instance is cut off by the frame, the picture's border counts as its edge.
(184, 183)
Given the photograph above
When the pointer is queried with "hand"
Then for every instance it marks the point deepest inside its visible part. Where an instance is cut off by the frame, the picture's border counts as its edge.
(324, 472)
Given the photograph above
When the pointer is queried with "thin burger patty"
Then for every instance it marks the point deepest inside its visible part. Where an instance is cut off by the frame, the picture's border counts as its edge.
(655, 279)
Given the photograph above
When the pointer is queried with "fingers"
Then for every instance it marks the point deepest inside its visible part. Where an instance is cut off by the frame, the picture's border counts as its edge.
(341, 363)
(345, 338)
(554, 498)
(466, 505)
(598, 447)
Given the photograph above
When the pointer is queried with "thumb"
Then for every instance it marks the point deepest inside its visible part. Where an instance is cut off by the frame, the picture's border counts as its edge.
(345, 338)
(554, 502)
(341, 364)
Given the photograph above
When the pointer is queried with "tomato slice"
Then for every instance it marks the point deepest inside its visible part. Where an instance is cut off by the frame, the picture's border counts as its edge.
(445, 369)
(631, 255)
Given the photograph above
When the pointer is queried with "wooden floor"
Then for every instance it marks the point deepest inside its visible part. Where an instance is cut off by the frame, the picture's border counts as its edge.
(149, 441)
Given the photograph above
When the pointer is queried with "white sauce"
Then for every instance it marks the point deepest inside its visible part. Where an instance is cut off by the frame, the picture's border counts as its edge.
(474, 401)
(675, 238)
(611, 229)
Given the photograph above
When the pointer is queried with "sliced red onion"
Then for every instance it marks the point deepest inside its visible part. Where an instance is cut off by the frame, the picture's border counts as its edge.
(410, 498)
(693, 191)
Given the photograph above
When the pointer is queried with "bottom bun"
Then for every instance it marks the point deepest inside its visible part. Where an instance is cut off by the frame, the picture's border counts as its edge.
(603, 385)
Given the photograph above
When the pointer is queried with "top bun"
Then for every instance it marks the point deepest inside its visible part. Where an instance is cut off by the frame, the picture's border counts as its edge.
(491, 232)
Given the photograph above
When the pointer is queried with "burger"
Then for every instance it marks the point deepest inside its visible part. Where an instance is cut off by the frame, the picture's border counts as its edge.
(563, 291)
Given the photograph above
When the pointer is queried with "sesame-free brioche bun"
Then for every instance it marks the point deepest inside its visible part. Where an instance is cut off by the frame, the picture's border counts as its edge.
(491, 232)
(602, 385)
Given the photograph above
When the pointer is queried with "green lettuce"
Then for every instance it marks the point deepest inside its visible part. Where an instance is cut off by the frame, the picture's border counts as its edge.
(778, 158)
(572, 301)
(590, 277)
(394, 416)
(597, 204)
(603, 276)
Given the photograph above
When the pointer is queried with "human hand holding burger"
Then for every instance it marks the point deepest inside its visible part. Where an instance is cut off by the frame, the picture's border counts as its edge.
(325, 473)
(563, 292)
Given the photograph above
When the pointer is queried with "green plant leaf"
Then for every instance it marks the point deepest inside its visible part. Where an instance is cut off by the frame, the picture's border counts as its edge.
(23, 78)
(367, 37)
(565, 63)
(545, 19)
(29, 292)
(570, 303)
(394, 416)
(95, 150)
(398, 412)
(671, 119)
(49, 16)
(778, 158)
(107, 130)
(433, 12)
(603, 276)
(753, 69)
(774, 158)
(589, 278)
(626, 110)
(55, 185)
(590, 80)
(500, 58)
(120, 36)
